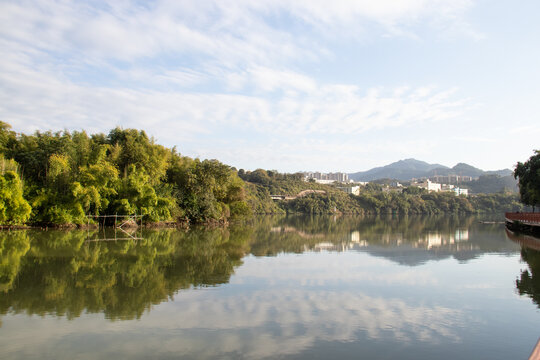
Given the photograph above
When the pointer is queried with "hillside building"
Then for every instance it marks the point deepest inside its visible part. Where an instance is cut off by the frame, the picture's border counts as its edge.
(327, 178)
(450, 179)
(428, 185)
(432, 186)
(355, 190)
(460, 191)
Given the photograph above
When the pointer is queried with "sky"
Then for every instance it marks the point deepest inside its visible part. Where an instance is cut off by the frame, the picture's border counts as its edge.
(305, 85)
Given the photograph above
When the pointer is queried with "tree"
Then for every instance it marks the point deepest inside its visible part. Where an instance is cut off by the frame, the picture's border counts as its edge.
(132, 147)
(95, 186)
(7, 137)
(528, 174)
(14, 209)
(135, 195)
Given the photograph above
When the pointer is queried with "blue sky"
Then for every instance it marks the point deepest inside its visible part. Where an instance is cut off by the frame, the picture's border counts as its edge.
(285, 85)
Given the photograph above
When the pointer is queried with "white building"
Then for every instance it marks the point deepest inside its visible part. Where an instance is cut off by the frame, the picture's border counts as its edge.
(330, 177)
(450, 179)
(447, 187)
(327, 182)
(460, 191)
(428, 185)
(355, 190)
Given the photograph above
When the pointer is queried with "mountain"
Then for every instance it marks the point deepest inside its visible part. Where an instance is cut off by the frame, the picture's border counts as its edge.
(501, 173)
(461, 169)
(411, 168)
(491, 183)
(400, 170)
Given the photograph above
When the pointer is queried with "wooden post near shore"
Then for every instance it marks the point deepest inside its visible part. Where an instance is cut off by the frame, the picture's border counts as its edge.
(102, 219)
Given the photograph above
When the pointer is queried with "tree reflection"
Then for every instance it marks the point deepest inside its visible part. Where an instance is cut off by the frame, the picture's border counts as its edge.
(12, 249)
(529, 281)
(463, 237)
(60, 273)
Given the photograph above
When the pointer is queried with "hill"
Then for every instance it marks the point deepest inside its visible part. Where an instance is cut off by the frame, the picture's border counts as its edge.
(408, 169)
(400, 170)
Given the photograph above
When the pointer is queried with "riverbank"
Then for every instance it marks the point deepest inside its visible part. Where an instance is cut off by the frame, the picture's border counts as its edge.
(524, 222)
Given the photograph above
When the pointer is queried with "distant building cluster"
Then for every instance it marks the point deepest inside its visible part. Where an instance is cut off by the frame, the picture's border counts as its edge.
(326, 178)
(450, 179)
(436, 187)
(435, 183)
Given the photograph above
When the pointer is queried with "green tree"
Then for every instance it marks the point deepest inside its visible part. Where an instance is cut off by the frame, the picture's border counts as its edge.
(207, 190)
(132, 147)
(14, 209)
(528, 174)
(135, 195)
(96, 186)
(7, 137)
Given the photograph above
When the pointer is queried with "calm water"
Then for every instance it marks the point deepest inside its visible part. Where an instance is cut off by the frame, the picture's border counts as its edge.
(296, 287)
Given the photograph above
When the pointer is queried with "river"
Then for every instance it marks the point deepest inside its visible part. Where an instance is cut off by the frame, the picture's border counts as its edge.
(291, 287)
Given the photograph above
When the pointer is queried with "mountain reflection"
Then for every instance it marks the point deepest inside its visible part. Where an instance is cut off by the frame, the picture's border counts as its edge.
(62, 273)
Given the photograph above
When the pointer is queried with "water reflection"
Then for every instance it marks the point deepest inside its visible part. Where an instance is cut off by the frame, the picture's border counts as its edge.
(528, 282)
(379, 288)
(406, 240)
(62, 273)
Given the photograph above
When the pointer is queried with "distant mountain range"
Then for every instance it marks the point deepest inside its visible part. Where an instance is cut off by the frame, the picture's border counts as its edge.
(407, 169)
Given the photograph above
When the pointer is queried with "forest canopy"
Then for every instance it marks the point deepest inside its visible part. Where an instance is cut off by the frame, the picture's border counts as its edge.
(68, 175)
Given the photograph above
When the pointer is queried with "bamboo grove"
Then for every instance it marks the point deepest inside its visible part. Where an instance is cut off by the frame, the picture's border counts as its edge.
(59, 178)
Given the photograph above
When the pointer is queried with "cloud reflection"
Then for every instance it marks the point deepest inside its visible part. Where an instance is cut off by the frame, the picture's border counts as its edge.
(259, 324)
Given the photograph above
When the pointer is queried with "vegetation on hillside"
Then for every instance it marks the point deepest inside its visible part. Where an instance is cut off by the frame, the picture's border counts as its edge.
(490, 184)
(372, 200)
(60, 178)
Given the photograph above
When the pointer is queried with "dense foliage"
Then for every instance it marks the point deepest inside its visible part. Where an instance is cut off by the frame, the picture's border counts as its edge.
(528, 174)
(67, 176)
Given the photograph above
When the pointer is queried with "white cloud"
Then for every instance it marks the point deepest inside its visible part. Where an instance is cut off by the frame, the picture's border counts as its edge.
(234, 32)
(192, 72)
(267, 79)
(304, 106)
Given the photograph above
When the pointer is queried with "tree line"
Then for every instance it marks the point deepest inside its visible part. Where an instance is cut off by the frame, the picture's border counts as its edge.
(59, 178)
